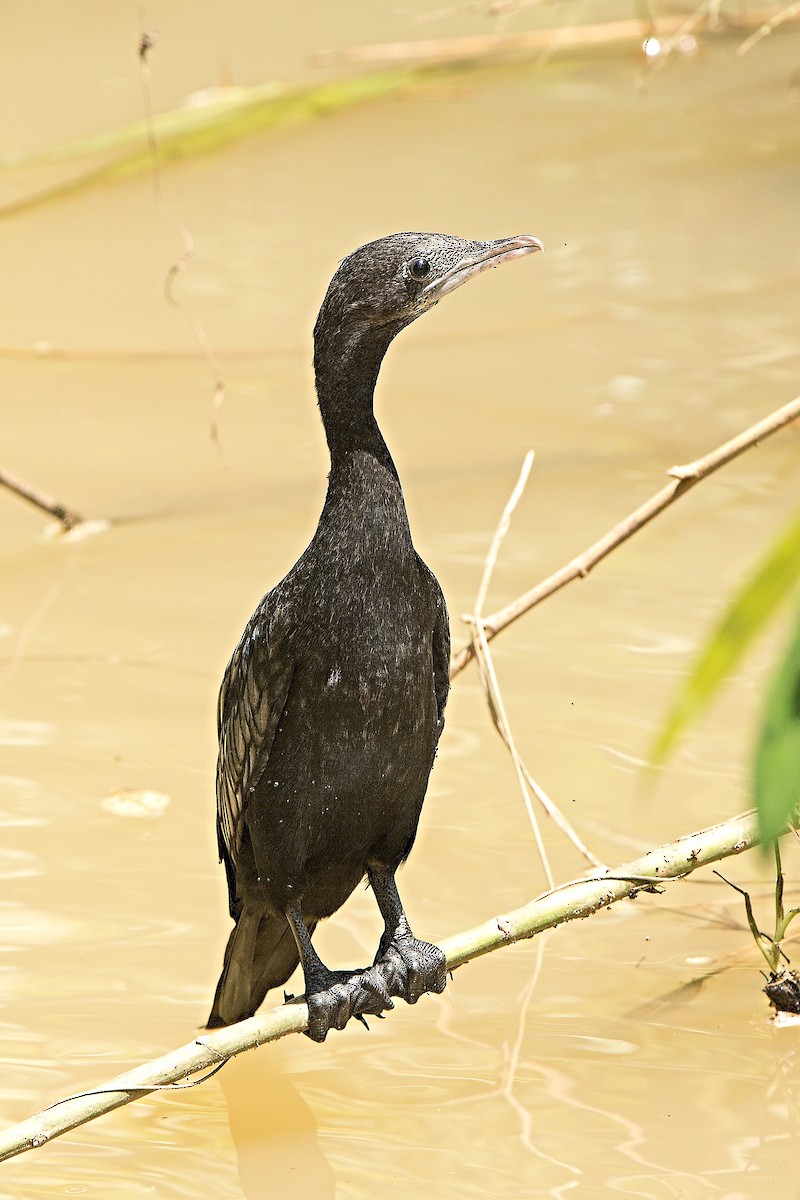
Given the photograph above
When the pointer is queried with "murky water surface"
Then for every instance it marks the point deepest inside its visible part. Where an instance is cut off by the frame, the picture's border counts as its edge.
(628, 1055)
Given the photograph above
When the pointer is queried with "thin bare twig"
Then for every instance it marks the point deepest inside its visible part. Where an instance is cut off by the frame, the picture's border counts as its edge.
(505, 8)
(497, 709)
(489, 679)
(501, 531)
(68, 517)
(146, 44)
(481, 46)
(683, 478)
(701, 14)
(558, 818)
(494, 699)
(790, 13)
(572, 901)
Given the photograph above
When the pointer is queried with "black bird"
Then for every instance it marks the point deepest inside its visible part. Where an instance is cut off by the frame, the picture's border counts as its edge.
(332, 705)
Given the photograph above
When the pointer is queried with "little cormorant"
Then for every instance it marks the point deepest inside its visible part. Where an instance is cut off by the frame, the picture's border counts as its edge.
(332, 705)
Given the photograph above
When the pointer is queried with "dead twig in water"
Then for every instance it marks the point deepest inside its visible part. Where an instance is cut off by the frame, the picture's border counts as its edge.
(68, 517)
(569, 902)
(683, 478)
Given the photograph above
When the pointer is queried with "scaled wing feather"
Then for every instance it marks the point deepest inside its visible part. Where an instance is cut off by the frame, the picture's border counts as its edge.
(251, 700)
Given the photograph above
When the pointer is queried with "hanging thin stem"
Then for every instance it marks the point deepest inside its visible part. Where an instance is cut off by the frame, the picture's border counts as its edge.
(146, 44)
(770, 947)
(764, 942)
(491, 687)
(500, 532)
(497, 709)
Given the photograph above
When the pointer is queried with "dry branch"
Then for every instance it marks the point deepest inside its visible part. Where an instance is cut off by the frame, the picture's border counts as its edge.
(571, 901)
(68, 517)
(494, 699)
(578, 37)
(683, 478)
(790, 13)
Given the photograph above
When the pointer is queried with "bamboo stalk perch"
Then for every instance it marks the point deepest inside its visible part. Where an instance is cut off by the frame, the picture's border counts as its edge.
(683, 478)
(213, 1048)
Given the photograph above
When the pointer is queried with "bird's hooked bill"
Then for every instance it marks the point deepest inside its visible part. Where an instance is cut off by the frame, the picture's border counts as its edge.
(490, 254)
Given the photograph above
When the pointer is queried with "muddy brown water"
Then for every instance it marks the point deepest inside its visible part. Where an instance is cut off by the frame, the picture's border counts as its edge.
(627, 1055)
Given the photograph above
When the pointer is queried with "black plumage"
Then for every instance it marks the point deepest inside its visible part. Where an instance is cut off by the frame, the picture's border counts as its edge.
(332, 705)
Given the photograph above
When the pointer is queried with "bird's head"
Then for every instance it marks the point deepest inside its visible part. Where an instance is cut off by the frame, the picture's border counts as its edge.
(385, 285)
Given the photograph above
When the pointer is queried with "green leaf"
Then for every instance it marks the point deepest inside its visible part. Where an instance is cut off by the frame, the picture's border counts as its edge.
(746, 615)
(229, 116)
(777, 765)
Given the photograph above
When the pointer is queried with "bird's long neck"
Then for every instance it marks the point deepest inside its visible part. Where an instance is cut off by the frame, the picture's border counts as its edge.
(364, 488)
(346, 369)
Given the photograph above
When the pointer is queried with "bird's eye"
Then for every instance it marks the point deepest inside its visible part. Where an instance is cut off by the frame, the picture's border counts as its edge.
(419, 269)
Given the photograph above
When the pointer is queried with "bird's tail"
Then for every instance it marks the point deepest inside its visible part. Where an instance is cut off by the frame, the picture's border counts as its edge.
(261, 954)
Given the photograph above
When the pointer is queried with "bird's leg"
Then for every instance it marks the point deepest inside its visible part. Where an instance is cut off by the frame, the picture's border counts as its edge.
(409, 967)
(333, 997)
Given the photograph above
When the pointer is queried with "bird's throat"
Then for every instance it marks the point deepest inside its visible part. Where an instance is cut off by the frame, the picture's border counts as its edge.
(346, 371)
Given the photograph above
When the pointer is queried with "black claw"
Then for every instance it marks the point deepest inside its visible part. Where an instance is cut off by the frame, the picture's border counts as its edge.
(316, 1033)
(360, 1017)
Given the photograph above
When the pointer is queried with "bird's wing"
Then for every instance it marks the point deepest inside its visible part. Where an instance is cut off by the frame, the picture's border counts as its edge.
(251, 700)
(441, 645)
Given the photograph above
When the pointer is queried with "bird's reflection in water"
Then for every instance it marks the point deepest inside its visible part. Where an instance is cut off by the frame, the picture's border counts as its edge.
(274, 1131)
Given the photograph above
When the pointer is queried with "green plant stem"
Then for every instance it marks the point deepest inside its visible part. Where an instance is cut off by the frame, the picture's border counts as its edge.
(189, 131)
(778, 891)
(764, 942)
(782, 919)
